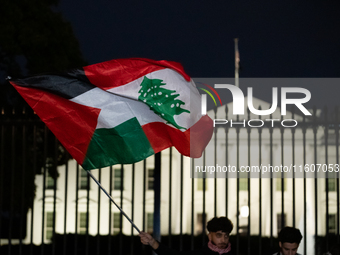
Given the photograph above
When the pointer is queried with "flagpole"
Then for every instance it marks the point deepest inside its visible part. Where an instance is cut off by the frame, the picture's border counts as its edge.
(108, 195)
(237, 63)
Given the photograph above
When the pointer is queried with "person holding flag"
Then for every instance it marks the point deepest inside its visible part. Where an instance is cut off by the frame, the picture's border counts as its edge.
(219, 231)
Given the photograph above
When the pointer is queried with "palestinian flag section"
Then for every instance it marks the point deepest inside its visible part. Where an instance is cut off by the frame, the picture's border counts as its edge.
(120, 111)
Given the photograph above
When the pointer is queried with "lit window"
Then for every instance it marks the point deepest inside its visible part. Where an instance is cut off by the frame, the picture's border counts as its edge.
(279, 221)
(200, 223)
(244, 211)
(243, 183)
(332, 223)
(332, 184)
(49, 181)
(116, 223)
(49, 225)
(83, 179)
(151, 179)
(149, 222)
(201, 181)
(279, 184)
(82, 226)
(117, 179)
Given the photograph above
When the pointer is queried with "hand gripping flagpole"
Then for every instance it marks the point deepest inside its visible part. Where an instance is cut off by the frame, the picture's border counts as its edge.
(108, 195)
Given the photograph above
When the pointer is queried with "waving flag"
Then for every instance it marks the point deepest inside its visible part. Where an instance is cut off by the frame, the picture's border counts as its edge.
(120, 111)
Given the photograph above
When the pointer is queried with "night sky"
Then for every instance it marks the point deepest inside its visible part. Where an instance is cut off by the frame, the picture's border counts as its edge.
(277, 39)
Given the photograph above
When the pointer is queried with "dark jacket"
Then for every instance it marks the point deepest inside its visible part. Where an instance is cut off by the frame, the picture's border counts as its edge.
(164, 250)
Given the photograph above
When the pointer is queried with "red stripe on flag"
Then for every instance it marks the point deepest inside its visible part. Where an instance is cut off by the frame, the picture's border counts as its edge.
(66, 119)
(190, 143)
(117, 72)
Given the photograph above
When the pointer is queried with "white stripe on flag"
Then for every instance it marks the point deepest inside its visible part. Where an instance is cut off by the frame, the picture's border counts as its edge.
(116, 109)
(187, 91)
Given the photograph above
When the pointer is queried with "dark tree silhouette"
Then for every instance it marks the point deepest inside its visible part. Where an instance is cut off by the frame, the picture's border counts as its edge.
(34, 39)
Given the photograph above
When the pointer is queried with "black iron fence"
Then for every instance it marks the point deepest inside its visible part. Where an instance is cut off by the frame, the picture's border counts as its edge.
(49, 206)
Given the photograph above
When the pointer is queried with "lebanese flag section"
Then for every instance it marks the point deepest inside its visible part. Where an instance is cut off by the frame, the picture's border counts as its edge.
(120, 111)
(118, 72)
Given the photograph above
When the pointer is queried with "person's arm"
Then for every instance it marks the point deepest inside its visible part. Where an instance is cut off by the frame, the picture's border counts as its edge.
(147, 239)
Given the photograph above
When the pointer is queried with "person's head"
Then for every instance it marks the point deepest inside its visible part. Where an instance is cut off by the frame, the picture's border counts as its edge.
(289, 240)
(219, 230)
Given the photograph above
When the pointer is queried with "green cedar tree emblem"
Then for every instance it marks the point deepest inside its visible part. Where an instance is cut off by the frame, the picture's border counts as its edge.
(160, 100)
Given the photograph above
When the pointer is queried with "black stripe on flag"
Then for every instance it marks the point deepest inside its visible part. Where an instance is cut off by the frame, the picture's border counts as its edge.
(67, 85)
